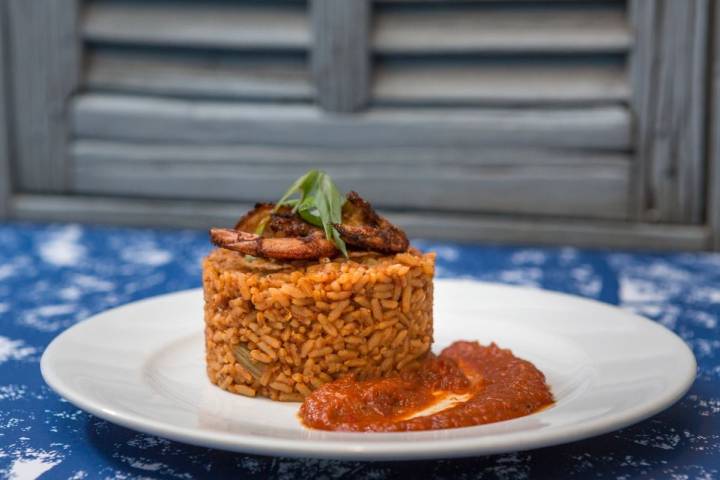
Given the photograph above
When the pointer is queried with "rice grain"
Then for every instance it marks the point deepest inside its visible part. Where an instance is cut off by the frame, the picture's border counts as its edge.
(302, 324)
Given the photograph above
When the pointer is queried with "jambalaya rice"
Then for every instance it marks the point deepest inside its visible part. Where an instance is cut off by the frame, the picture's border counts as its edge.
(282, 329)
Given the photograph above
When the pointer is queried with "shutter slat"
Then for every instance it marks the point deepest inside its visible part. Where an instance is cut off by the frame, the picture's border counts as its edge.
(486, 228)
(441, 179)
(41, 68)
(477, 29)
(510, 84)
(334, 157)
(153, 119)
(390, 2)
(200, 24)
(146, 73)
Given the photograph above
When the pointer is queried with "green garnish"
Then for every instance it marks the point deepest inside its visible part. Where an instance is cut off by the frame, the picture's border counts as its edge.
(261, 226)
(319, 203)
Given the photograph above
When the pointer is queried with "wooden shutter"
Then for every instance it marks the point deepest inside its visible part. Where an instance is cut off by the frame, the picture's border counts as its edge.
(550, 77)
(501, 53)
(526, 108)
(497, 120)
(44, 65)
(213, 50)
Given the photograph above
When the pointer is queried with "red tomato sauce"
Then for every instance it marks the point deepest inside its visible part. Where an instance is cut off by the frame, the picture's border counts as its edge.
(495, 384)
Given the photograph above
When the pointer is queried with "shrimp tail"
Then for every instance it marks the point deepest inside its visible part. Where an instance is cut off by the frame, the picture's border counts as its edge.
(312, 246)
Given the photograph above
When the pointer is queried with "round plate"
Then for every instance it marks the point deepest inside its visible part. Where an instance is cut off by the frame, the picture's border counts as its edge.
(142, 366)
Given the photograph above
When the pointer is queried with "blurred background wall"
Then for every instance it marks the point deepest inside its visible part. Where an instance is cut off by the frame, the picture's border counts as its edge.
(575, 122)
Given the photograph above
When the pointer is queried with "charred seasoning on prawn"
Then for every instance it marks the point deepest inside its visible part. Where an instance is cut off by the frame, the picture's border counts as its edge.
(303, 229)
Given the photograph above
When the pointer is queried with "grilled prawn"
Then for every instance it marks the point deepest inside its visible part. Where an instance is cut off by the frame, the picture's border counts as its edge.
(286, 236)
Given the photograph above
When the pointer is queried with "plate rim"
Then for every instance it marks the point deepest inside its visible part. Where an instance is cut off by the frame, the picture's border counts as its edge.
(379, 449)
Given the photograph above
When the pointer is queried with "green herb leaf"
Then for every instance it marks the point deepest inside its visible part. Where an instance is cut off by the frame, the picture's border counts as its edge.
(339, 242)
(300, 185)
(320, 203)
(261, 226)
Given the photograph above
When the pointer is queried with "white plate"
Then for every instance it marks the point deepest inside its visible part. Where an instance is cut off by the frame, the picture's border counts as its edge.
(142, 366)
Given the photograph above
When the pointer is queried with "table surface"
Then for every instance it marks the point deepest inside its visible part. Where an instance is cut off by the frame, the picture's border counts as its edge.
(52, 276)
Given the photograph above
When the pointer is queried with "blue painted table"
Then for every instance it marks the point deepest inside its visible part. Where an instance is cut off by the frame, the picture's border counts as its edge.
(52, 276)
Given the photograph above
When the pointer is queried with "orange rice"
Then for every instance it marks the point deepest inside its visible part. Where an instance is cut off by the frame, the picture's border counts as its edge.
(282, 329)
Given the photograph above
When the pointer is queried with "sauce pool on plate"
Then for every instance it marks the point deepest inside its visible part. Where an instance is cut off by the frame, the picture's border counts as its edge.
(467, 384)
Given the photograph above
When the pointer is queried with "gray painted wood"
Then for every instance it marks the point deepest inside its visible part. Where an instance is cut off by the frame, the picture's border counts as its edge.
(5, 187)
(373, 156)
(671, 130)
(340, 53)
(691, 157)
(389, 2)
(500, 83)
(641, 236)
(490, 181)
(477, 29)
(45, 68)
(198, 24)
(475, 228)
(675, 162)
(642, 63)
(713, 205)
(5, 173)
(125, 211)
(168, 120)
(140, 72)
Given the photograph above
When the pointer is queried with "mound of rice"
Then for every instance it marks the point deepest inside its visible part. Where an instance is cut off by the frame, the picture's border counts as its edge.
(280, 330)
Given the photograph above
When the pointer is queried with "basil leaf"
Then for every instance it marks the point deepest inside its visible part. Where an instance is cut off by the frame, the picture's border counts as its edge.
(311, 215)
(320, 204)
(300, 184)
(339, 242)
(307, 210)
(334, 199)
(324, 210)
